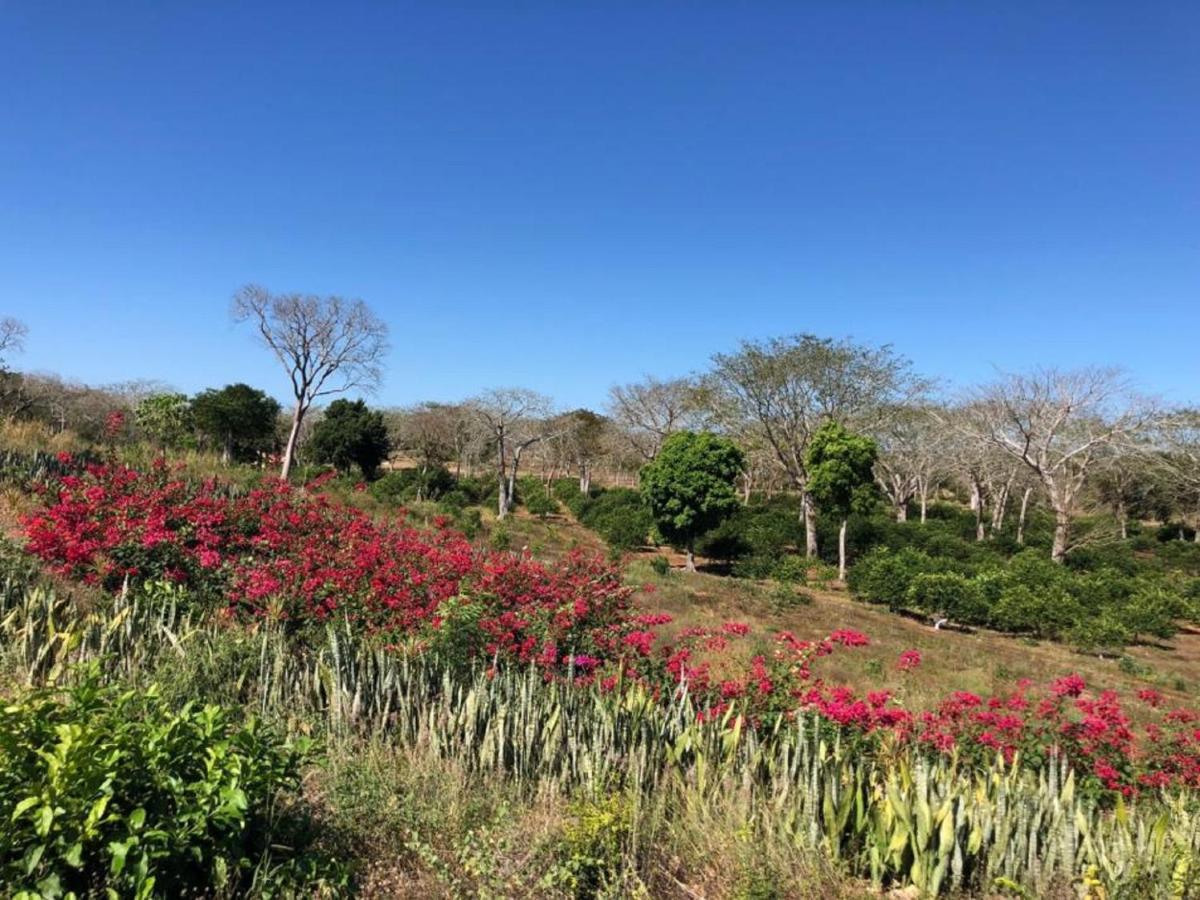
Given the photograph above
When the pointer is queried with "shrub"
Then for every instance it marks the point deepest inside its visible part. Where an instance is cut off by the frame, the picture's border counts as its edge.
(621, 517)
(725, 543)
(1099, 632)
(791, 570)
(660, 565)
(884, 575)
(536, 498)
(118, 791)
(406, 485)
(947, 593)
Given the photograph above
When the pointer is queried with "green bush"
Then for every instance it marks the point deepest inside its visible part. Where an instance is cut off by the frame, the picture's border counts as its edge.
(660, 565)
(949, 594)
(118, 791)
(884, 576)
(791, 570)
(621, 517)
(536, 499)
(406, 485)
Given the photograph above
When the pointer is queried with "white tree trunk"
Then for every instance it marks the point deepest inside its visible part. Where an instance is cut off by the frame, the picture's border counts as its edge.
(1021, 517)
(690, 561)
(1062, 534)
(842, 551)
(810, 525)
(289, 453)
(977, 507)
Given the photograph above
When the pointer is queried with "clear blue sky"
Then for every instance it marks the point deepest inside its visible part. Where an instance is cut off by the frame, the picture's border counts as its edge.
(564, 195)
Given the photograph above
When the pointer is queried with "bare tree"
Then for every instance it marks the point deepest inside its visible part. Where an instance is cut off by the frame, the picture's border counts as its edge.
(1058, 424)
(1178, 463)
(584, 440)
(780, 391)
(514, 419)
(12, 336)
(14, 399)
(911, 459)
(327, 345)
(650, 410)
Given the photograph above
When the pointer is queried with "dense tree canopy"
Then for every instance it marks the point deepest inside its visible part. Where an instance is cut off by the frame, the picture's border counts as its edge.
(350, 434)
(841, 477)
(239, 419)
(691, 486)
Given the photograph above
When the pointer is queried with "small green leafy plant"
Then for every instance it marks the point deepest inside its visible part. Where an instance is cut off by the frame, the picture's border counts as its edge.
(115, 790)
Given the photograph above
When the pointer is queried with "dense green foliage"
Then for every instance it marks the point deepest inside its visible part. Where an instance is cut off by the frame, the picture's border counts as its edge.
(689, 486)
(840, 468)
(237, 418)
(165, 419)
(350, 434)
(1029, 594)
(407, 485)
(109, 789)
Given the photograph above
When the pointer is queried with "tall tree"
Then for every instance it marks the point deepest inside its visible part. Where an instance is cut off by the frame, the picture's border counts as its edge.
(237, 418)
(1059, 424)
(351, 434)
(841, 478)
(1178, 464)
(327, 345)
(780, 391)
(911, 460)
(691, 487)
(584, 435)
(513, 419)
(649, 411)
(13, 398)
(12, 337)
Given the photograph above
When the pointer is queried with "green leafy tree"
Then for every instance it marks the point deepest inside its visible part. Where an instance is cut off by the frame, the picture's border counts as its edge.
(691, 487)
(238, 418)
(166, 419)
(841, 478)
(351, 434)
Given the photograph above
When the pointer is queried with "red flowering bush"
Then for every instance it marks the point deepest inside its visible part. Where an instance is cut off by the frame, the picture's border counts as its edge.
(300, 559)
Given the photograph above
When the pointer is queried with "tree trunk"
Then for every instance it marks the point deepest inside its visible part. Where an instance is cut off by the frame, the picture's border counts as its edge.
(842, 551)
(810, 525)
(924, 503)
(902, 511)
(1000, 508)
(227, 450)
(977, 508)
(1062, 533)
(1122, 519)
(585, 479)
(1021, 517)
(289, 453)
(690, 563)
(503, 497)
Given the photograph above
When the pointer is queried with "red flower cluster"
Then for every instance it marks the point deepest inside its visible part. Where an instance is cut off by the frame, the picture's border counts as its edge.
(299, 558)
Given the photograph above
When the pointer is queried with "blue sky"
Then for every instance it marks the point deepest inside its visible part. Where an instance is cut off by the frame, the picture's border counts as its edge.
(565, 195)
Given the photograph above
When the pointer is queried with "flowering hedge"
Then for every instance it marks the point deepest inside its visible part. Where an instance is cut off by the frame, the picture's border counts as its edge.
(299, 558)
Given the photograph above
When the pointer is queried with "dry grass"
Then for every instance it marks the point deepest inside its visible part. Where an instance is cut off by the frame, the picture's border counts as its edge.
(983, 662)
